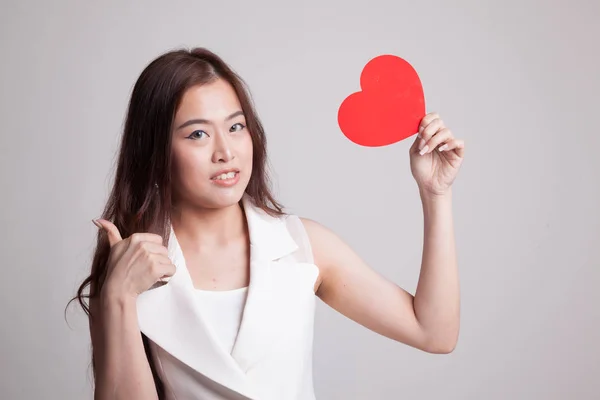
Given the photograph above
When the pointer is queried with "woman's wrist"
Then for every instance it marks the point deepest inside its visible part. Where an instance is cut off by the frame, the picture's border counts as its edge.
(428, 198)
(112, 299)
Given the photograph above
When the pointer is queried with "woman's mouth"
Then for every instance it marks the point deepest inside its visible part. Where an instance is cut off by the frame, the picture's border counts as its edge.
(226, 179)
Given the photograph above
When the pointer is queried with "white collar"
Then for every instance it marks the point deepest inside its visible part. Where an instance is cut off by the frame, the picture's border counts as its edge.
(169, 317)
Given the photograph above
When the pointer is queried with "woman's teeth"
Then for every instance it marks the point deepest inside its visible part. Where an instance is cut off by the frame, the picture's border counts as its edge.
(222, 177)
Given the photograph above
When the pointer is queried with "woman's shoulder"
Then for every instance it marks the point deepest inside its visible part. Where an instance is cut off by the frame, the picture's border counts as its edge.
(319, 235)
(322, 240)
(329, 249)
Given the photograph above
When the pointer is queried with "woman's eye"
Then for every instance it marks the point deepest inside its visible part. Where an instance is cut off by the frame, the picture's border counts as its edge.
(197, 135)
(237, 127)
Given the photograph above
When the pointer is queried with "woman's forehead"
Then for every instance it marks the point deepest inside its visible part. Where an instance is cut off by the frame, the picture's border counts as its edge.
(216, 100)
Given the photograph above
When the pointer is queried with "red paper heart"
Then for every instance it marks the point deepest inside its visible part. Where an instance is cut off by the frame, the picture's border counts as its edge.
(389, 107)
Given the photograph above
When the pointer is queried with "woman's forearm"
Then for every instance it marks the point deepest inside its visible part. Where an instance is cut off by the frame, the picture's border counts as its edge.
(123, 370)
(437, 298)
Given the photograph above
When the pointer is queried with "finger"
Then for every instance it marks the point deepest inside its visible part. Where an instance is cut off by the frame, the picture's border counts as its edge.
(442, 136)
(140, 237)
(168, 272)
(114, 236)
(414, 148)
(456, 145)
(153, 248)
(162, 268)
(431, 129)
(148, 252)
(427, 119)
(163, 259)
(161, 274)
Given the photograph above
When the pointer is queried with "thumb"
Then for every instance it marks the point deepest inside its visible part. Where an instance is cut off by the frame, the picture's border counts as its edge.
(114, 236)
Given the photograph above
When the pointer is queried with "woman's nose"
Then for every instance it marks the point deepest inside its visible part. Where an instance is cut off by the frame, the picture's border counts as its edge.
(223, 151)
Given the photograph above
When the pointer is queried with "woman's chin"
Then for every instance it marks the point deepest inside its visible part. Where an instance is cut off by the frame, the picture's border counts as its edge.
(223, 198)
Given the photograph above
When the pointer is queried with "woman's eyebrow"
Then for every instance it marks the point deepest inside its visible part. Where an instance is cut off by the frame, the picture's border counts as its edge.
(206, 121)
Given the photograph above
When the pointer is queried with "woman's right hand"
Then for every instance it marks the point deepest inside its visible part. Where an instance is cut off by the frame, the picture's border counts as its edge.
(135, 263)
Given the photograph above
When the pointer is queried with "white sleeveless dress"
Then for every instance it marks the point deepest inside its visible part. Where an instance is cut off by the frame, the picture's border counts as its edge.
(261, 346)
(223, 311)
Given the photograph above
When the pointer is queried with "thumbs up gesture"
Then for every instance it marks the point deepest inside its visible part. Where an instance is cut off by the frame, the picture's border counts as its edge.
(135, 264)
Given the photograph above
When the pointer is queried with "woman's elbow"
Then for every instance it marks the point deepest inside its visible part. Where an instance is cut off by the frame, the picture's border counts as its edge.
(442, 344)
(442, 347)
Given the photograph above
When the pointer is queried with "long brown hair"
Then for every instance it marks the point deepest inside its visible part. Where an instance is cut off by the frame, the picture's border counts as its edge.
(140, 199)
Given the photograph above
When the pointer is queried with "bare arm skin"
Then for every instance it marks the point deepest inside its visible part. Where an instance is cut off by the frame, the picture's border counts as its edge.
(429, 320)
(123, 370)
(134, 265)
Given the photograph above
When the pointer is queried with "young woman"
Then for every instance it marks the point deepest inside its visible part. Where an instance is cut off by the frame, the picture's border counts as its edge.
(203, 288)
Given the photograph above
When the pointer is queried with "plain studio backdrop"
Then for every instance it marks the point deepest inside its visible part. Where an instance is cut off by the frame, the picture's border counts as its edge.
(517, 80)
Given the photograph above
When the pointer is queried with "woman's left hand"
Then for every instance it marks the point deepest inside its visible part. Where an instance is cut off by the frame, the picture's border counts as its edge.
(435, 156)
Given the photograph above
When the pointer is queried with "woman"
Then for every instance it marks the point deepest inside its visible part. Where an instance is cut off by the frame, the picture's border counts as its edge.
(233, 319)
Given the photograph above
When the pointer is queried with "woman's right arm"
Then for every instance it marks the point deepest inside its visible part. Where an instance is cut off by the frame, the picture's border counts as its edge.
(134, 265)
(122, 367)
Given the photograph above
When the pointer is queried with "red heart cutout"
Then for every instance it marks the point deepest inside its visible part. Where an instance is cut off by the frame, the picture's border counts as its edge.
(389, 107)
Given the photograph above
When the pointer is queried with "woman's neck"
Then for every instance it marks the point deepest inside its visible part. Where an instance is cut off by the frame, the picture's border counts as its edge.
(201, 228)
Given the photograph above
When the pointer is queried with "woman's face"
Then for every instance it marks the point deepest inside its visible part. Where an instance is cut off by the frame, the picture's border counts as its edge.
(212, 148)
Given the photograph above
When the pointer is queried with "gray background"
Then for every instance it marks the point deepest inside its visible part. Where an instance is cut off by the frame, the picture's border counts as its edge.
(518, 81)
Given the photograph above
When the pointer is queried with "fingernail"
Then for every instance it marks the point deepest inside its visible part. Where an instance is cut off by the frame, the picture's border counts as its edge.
(421, 143)
(444, 147)
(97, 223)
(424, 150)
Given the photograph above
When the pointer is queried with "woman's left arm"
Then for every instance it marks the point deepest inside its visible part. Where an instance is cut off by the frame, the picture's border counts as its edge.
(429, 320)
